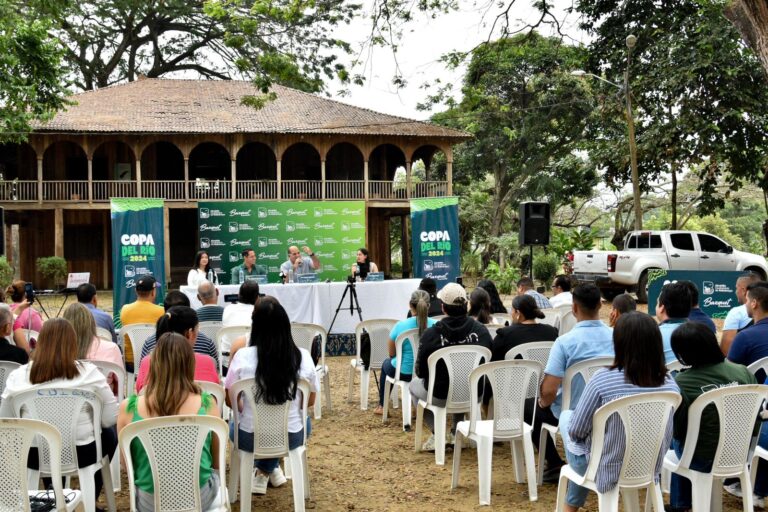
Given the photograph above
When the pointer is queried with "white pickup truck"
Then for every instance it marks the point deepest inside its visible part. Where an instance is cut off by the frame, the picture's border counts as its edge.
(615, 272)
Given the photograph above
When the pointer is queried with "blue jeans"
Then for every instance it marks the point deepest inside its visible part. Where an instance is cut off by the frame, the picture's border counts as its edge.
(576, 494)
(680, 487)
(761, 482)
(387, 370)
(245, 440)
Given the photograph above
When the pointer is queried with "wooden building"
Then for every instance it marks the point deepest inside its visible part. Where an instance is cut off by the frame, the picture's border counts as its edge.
(188, 140)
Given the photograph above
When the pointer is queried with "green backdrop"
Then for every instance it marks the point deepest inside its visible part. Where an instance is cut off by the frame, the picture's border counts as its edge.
(334, 230)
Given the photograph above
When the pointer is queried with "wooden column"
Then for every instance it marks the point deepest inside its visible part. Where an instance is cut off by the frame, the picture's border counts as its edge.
(449, 176)
(365, 180)
(167, 237)
(138, 178)
(279, 179)
(106, 253)
(90, 181)
(408, 184)
(58, 230)
(40, 180)
(186, 179)
(406, 245)
(322, 178)
(234, 179)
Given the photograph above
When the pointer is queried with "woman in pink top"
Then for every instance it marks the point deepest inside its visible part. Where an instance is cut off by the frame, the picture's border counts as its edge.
(181, 320)
(26, 317)
(90, 346)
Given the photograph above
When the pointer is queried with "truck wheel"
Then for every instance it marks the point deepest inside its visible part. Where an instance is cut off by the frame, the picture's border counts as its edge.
(611, 293)
(642, 292)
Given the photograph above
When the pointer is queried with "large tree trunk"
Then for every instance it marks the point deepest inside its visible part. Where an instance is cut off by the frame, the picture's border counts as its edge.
(750, 17)
(674, 198)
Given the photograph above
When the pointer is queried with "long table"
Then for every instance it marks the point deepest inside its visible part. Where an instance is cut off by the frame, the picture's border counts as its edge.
(317, 302)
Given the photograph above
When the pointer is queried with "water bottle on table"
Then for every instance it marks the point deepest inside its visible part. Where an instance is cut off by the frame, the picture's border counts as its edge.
(241, 276)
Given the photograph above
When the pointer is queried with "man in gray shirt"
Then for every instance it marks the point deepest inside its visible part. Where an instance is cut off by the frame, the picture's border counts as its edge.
(299, 265)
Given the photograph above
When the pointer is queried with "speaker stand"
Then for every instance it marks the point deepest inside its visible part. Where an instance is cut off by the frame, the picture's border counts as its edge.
(530, 262)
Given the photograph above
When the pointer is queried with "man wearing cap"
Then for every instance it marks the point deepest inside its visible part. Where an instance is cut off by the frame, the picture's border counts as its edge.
(143, 311)
(249, 267)
(455, 329)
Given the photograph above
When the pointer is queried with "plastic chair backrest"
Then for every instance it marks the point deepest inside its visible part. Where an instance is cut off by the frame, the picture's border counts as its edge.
(211, 329)
(492, 329)
(532, 351)
(270, 422)
(567, 322)
(227, 335)
(107, 368)
(17, 435)
(645, 418)
(737, 407)
(551, 317)
(61, 408)
(304, 333)
(509, 381)
(138, 334)
(217, 390)
(459, 360)
(304, 388)
(6, 367)
(104, 334)
(410, 336)
(378, 330)
(760, 364)
(675, 366)
(586, 370)
(174, 445)
(502, 319)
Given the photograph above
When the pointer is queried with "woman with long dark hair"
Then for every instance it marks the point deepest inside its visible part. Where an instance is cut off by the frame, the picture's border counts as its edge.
(200, 269)
(171, 391)
(277, 378)
(497, 306)
(363, 266)
(524, 328)
(480, 306)
(638, 367)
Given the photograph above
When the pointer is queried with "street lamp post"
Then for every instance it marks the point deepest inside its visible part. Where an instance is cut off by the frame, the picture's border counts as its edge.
(631, 41)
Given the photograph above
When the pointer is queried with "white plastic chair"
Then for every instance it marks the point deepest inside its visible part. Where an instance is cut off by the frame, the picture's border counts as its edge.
(378, 331)
(585, 369)
(567, 322)
(217, 390)
(210, 328)
(61, 408)
(107, 368)
(760, 364)
(174, 445)
(509, 380)
(502, 319)
(104, 334)
(137, 335)
(459, 360)
(17, 435)
(6, 367)
(270, 441)
(225, 337)
(675, 366)
(492, 329)
(303, 334)
(551, 317)
(645, 417)
(532, 351)
(410, 336)
(737, 407)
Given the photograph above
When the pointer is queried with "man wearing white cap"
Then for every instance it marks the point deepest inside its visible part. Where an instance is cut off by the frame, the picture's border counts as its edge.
(455, 329)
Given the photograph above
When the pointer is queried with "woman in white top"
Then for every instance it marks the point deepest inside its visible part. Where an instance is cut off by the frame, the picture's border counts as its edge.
(199, 273)
(55, 365)
(271, 341)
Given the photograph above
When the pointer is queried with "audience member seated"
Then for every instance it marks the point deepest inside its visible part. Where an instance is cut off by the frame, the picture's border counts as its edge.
(737, 318)
(751, 344)
(203, 344)
(525, 286)
(497, 306)
(240, 312)
(524, 328)
(171, 391)
(638, 367)
(456, 329)
(620, 305)
(27, 318)
(480, 307)
(561, 292)
(419, 307)
(277, 364)
(9, 352)
(435, 305)
(86, 295)
(143, 311)
(672, 310)
(181, 320)
(696, 314)
(55, 365)
(208, 295)
(90, 346)
(588, 339)
(696, 346)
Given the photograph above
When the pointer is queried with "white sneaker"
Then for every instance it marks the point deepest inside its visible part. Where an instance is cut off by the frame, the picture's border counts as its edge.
(277, 478)
(429, 444)
(758, 501)
(733, 489)
(259, 482)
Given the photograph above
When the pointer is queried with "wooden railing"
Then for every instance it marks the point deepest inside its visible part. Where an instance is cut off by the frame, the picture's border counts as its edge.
(258, 189)
(386, 190)
(18, 190)
(301, 189)
(430, 189)
(75, 191)
(104, 190)
(344, 189)
(210, 189)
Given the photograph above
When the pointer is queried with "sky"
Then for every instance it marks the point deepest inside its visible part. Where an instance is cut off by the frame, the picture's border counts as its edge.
(423, 43)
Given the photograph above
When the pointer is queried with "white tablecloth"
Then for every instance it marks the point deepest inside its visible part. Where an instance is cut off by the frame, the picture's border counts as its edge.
(317, 302)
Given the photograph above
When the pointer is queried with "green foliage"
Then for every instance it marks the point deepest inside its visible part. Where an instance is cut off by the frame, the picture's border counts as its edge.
(53, 268)
(563, 240)
(471, 264)
(6, 273)
(505, 280)
(546, 267)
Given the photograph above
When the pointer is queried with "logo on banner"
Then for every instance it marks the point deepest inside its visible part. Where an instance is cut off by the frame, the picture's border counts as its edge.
(240, 213)
(330, 267)
(234, 227)
(215, 257)
(321, 212)
(241, 243)
(263, 213)
(205, 243)
(130, 271)
(437, 277)
(297, 241)
(355, 241)
(206, 227)
(205, 213)
(296, 213)
(290, 226)
(329, 226)
(273, 269)
(708, 287)
(347, 255)
(349, 211)
(234, 256)
(328, 255)
(345, 226)
(268, 256)
(263, 241)
(268, 227)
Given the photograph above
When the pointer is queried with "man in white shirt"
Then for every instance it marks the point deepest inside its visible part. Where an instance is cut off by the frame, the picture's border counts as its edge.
(240, 312)
(737, 318)
(561, 290)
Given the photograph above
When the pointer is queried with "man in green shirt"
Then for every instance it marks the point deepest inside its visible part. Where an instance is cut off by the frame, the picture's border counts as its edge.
(249, 267)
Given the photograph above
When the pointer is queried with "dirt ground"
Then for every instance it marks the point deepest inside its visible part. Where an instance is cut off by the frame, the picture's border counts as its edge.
(358, 463)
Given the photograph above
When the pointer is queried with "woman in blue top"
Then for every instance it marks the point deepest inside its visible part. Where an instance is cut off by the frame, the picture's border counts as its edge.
(419, 305)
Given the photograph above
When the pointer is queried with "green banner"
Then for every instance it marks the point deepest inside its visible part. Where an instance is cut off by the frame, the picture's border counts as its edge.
(717, 289)
(334, 230)
(138, 248)
(435, 239)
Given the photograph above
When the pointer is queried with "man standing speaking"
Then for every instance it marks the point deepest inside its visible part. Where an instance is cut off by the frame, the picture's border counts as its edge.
(300, 265)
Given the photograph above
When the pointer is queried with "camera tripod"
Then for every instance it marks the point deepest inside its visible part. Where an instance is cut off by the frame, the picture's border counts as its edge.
(354, 304)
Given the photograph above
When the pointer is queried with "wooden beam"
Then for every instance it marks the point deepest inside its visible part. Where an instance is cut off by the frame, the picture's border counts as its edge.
(40, 180)
(234, 180)
(449, 176)
(279, 179)
(58, 230)
(90, 181)
(365, 179)
(322, 179)
(167, 244)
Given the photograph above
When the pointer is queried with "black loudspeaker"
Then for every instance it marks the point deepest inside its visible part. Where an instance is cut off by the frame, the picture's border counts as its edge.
(534, 223)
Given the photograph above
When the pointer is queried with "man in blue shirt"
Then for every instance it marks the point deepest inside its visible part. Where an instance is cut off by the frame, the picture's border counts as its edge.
(751, 344)
(696, 314)
(86, 295)
(525, 286)
(737, 318)
(589, 338)
(672, 309)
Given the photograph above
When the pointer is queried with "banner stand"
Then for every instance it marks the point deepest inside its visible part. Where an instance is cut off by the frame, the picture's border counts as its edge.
(435, 239)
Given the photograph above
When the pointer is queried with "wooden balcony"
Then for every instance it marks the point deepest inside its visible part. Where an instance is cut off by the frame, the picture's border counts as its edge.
(98, 191)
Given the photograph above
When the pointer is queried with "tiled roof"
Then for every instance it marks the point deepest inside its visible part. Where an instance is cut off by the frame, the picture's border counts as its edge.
(214, 106)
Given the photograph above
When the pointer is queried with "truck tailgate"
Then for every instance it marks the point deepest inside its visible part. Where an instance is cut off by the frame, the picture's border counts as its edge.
(590, 262)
